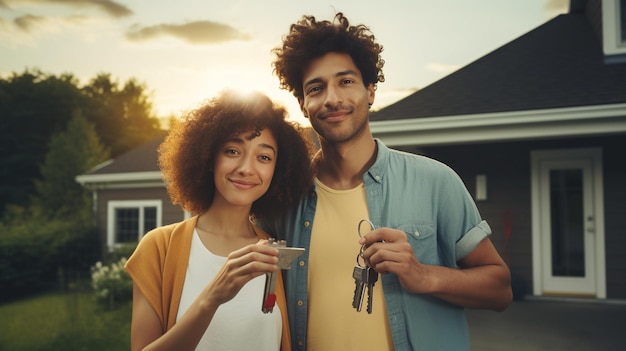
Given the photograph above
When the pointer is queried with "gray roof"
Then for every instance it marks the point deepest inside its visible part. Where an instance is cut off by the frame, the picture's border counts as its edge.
(559, 64)
(143, 158)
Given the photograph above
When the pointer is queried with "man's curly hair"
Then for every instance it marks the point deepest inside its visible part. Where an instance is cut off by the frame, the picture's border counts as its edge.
(309, 39)
(187, 155)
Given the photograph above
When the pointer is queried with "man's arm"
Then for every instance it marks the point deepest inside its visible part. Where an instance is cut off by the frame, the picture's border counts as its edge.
(482, 282)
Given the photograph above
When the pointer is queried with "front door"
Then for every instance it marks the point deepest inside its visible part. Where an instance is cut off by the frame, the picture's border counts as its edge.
(568, 237)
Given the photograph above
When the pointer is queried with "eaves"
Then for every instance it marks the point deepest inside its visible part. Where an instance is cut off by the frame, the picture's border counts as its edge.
(503, 126)
(121, 180)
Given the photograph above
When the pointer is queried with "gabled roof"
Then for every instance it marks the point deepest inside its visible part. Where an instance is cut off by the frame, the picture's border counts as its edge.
(559, 64)
(137, 167)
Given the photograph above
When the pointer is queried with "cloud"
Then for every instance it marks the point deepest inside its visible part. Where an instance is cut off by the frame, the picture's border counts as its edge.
(110, 7)
(198, 32)
(27, 22)
(442, 67)
(556, 5)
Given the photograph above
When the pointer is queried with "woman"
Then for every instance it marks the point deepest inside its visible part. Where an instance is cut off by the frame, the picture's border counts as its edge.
(198, 284)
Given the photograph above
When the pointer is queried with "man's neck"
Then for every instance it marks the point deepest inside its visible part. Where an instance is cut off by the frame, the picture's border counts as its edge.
(341, 166)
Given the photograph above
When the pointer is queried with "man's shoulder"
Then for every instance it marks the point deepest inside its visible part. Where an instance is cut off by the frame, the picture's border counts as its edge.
(399, 156)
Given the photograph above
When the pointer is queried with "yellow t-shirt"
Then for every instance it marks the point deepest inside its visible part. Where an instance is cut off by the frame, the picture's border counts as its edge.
(332, 322)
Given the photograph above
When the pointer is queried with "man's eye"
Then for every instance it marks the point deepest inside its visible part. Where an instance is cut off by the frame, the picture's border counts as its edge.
(347, 81)
(313, 90)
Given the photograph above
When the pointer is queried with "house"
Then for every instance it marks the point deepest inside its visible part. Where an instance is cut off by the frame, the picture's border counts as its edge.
(129, 196)
(537, 130)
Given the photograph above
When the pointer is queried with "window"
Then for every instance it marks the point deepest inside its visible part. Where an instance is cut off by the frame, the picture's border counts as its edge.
(614, 27)
(128, 221)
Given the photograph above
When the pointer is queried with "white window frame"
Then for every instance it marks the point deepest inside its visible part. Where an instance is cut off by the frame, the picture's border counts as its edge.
(112, 206)
(612, 43)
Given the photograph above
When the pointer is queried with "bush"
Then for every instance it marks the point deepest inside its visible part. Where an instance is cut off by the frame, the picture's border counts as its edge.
(112, 284)
(37, 254)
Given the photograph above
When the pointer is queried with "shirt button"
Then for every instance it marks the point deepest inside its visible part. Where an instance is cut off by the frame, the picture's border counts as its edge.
(301, 263)
(377, 177)
(300, 303)
(307, 223)
(300, 343)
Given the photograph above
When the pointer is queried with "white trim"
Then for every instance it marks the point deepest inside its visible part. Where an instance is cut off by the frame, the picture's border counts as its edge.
(141, 204)
(119, 177)
(595, 154)
(503, 126)
(611, 35)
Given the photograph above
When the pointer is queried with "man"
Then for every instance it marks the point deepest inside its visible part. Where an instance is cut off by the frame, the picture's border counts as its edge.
(430, 245)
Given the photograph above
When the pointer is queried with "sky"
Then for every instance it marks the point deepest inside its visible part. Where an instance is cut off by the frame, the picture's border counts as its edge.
(186, 51)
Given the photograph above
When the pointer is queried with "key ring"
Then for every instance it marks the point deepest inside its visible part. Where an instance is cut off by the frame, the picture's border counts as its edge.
(361, 222)
(361, 236)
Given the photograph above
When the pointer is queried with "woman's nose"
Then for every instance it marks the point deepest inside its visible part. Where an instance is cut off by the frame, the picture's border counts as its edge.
(246, 165)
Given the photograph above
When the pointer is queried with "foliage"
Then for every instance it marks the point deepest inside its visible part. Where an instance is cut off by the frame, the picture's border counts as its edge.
(70, 321)
(112, 284)
(70, 153)
(37, 253)
(52, 239)
(35, 106)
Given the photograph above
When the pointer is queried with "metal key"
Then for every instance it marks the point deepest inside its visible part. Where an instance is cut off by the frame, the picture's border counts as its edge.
(360, 279)
(285, 256)
(372, 278)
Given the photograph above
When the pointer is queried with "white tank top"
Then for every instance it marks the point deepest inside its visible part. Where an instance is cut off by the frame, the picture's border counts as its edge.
(238, 324)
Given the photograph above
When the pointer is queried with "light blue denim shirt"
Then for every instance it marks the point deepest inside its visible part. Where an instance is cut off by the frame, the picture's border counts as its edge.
(427, 200)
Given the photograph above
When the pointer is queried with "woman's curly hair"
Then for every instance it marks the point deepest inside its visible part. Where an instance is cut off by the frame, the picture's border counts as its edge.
(187, 155)
(309, 39)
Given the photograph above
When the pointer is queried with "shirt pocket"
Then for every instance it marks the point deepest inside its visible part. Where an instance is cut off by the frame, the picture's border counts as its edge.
(422, 238)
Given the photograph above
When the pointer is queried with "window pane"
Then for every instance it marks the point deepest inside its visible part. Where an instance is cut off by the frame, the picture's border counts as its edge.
(149, 218)
(126, 225)
(566, 214)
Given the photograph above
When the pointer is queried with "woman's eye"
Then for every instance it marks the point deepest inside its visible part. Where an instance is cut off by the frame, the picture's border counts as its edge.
(231, 152)
(265, 158)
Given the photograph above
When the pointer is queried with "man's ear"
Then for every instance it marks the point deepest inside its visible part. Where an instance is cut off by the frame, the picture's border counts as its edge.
(371, 93)
(301, 103)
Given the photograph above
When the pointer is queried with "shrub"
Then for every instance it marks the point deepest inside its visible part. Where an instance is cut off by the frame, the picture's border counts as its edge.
(112, 284)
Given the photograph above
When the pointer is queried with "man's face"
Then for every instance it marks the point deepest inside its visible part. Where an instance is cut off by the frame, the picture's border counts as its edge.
(335, 99)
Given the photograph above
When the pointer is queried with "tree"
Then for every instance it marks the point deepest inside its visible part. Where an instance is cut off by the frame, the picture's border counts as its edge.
(70, 153)
(34, 106)
(123, 116)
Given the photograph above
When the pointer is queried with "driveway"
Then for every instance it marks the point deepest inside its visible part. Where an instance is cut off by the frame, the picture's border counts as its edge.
(550, 325)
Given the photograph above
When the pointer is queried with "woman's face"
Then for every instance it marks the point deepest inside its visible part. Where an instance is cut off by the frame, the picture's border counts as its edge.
(244, 168)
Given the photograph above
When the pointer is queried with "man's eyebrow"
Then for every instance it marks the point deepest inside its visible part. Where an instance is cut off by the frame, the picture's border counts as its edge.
(346, 73)
(338, 74)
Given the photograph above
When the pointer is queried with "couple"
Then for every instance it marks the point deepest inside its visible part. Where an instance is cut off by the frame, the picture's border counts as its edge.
(198, 284)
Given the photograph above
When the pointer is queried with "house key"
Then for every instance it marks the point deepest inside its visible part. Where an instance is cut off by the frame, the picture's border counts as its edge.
(285, 256)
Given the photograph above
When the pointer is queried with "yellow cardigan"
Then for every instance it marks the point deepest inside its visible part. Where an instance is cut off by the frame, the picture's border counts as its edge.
(159, 264)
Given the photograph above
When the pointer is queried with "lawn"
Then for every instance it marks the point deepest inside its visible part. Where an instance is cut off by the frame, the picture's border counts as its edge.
(64, 321)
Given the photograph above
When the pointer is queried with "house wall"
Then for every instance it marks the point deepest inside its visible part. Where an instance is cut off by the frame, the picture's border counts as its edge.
(507, 167)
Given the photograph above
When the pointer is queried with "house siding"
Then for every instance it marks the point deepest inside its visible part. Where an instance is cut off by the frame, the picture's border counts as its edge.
(508, 168)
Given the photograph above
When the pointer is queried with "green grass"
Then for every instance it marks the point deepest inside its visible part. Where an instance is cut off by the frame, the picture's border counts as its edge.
(63, 321)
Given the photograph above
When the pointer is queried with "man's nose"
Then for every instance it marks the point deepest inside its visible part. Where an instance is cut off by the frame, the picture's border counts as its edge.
(334, 97)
